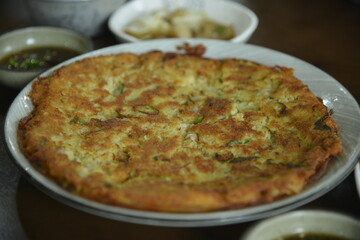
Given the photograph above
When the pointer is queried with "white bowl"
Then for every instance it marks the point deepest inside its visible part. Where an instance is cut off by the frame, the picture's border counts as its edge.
(33, 37)
(306, 221)
(232, 13)
(88, 17)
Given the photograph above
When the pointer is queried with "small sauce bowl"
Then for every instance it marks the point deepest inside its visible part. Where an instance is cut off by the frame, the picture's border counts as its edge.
(303, 222)
(34, 38)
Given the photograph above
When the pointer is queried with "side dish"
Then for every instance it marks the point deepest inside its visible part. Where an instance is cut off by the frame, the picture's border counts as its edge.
(181, 23)
(171, 132)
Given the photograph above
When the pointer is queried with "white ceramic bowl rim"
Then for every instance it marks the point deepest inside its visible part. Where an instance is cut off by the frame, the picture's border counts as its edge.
(357, 177)
(42, 29)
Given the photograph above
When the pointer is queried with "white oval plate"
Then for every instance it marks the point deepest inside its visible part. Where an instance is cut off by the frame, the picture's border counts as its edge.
(336, 97)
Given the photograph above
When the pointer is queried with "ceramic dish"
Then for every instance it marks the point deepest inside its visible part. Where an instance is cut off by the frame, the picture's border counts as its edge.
(347, 115)
(357, 177)
(305, 222)
(36, 37)
(240, 17)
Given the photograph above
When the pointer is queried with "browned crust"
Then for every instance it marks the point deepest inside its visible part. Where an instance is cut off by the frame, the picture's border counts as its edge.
(177, 133)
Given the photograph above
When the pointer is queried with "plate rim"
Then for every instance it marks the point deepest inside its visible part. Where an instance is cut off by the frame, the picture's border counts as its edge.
(357, 177)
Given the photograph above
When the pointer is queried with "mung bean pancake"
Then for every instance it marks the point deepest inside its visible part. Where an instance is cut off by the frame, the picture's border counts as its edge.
(173, 132)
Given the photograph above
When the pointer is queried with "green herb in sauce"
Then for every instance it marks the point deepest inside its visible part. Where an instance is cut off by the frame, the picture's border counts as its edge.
(37, 58)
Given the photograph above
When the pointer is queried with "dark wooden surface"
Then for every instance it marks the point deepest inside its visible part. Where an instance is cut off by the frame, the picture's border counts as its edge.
(325, 33)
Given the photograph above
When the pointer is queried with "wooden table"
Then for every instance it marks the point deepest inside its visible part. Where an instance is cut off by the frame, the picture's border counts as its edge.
(322, 32)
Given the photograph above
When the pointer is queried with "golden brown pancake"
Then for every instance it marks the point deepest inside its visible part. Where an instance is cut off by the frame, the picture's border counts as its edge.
(177, 132)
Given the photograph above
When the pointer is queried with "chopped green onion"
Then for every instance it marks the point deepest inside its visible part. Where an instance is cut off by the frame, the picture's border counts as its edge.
(199, 120)
(241, 159)
(78, 120)
(229, 158)
(219, 30)
(42, 141)
(292, 165)
(238, 142)
(164, 159)
(146, 109)
(119, 90)
(269, 161)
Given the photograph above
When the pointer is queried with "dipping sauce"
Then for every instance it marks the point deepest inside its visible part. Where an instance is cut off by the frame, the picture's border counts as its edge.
(37, 58)
(313, 236)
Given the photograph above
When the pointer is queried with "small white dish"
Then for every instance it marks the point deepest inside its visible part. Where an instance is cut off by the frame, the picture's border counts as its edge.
(35, 37)
(243, 20)
(305, 222)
